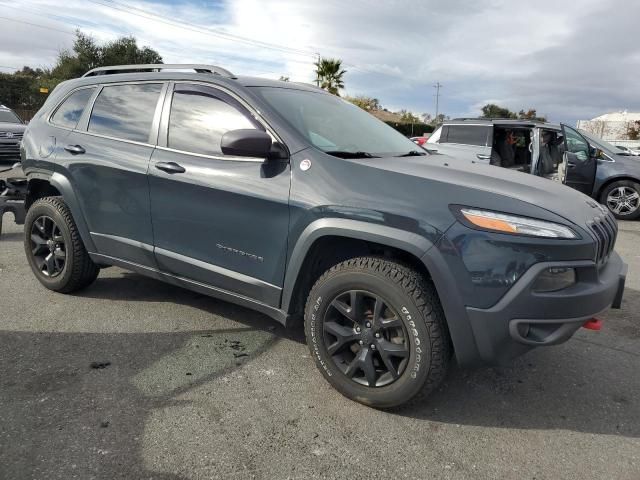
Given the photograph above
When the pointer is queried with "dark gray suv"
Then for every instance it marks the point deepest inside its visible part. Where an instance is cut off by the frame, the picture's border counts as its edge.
(288, 200)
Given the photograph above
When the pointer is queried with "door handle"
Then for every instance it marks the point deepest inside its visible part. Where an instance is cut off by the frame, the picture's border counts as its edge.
(74, 149)
(482, 156)
(170, 167)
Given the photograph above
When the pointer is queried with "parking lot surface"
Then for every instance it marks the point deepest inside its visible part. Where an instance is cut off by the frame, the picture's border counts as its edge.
(132, 378)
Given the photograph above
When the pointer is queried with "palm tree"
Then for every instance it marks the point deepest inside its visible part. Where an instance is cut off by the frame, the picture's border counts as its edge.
(329, 75)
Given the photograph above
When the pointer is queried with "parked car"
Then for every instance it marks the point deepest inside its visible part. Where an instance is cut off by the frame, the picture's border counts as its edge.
(11, 131)
(558, 152)
(630, 151)
(285, 199)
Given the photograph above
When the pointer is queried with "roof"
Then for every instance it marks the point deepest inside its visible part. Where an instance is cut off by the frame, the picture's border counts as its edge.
(515, 122)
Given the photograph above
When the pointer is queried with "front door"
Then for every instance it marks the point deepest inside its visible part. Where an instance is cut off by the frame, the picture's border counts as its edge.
(579, 164)
(218, 220)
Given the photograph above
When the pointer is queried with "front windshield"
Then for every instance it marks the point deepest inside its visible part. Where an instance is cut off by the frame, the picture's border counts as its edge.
(336, 126)
(602, 144)
(7, 116)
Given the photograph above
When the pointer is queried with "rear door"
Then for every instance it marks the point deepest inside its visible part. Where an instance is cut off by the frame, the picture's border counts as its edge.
(218, 220)
(106, 158)
(467, 142)
(579, 164)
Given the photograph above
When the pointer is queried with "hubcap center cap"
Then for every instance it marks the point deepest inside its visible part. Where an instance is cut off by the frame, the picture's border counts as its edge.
(51, 244)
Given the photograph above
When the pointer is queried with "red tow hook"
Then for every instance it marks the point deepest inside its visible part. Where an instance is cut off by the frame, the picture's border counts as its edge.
(593, 324)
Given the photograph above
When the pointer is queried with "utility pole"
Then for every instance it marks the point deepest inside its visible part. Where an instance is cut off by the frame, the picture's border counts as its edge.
(437, 86)
(318, 76)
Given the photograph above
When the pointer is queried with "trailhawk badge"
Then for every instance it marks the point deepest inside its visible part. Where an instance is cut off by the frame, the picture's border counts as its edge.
(305, 164)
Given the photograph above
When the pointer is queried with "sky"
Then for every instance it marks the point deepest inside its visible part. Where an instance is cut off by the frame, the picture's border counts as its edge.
(567, 59)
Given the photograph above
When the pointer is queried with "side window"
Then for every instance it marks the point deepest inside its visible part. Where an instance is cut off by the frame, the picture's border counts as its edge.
(125, 111)
(199, 118)
(575, 143)
(466, 135)
(68, 114)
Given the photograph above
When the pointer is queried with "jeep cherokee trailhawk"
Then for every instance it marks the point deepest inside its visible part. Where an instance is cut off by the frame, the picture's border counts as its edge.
(283, 198)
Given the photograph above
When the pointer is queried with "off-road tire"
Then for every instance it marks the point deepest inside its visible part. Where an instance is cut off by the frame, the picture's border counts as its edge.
(415, 299)
(79, 271)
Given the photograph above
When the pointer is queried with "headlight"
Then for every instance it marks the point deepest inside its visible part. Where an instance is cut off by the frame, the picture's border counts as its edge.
(554, 279)
(505, 223)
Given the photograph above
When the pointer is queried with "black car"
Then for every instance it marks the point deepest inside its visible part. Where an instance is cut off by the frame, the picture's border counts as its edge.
(557, 152)
(11, 130)
(288, 200)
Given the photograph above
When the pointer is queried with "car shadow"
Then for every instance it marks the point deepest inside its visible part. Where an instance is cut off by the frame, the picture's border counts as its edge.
(133, 287)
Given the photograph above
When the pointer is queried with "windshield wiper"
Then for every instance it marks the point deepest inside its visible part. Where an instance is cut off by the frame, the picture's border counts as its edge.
(413, 153)
(347, 154)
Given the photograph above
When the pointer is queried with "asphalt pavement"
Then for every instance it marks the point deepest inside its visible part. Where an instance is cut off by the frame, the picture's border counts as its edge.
(136, 379)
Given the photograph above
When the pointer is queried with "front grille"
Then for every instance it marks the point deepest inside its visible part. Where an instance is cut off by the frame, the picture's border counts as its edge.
(16, 135)
(9, 151)
(605, 230)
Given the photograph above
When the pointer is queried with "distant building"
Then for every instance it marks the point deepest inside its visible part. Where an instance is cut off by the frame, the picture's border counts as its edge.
(613, 127)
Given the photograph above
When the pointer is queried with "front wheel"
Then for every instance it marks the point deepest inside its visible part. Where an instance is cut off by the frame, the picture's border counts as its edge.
(377, 332)
(623, 199)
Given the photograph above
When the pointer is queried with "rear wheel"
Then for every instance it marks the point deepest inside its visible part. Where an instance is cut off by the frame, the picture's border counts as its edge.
(623, 199)
(377, 332)
(54, 248)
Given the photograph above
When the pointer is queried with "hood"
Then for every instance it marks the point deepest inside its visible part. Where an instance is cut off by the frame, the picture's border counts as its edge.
(12, 127)
(463, 180)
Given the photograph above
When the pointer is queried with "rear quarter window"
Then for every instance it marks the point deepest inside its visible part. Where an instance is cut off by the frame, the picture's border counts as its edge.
(69, 112)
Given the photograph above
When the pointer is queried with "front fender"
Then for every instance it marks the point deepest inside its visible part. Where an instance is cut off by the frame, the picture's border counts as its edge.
(409, 242)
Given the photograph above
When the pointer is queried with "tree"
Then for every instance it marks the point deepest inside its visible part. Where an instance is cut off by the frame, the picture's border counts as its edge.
(491, 110)
(531, 114)
(329, 75)
(408, 117)
(283, 78)
(633, 130)
(366, 103)
(86, 54)
(21, 89)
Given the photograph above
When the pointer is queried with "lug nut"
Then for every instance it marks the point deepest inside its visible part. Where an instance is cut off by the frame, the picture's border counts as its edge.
(373, 347)
(358, 329)
(360, 342)
(368, 325)
(377, 335)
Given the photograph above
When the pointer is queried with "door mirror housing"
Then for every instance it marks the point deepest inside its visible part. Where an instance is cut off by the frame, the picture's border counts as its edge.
(246, 143)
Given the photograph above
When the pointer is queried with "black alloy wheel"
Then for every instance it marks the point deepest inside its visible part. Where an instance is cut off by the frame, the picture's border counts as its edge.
(48, 246)
(366, 338)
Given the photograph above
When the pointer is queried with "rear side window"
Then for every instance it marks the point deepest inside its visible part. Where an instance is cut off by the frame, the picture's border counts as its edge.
(125, 111)
(465, 134)
(68, 114)
(199, 118)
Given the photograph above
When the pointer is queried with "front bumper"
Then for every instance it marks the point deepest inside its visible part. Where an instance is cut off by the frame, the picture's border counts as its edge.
(524, 319)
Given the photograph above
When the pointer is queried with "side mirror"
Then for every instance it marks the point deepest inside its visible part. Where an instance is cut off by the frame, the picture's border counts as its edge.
(246, 143)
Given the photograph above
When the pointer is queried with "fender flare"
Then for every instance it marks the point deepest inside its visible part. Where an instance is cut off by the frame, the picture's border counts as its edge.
(63, 185)
(410, 242)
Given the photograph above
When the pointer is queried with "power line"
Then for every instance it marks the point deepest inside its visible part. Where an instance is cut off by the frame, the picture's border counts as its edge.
(36, 25)
(206, 31)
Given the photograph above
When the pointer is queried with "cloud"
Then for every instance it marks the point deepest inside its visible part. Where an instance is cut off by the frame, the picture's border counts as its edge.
(569, 60)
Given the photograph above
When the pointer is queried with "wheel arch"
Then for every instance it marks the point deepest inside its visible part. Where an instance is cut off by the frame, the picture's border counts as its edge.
(620, 178)
(327, 242)
(58, 185)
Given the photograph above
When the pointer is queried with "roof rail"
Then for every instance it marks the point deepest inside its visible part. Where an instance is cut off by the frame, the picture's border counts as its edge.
(156, 67)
